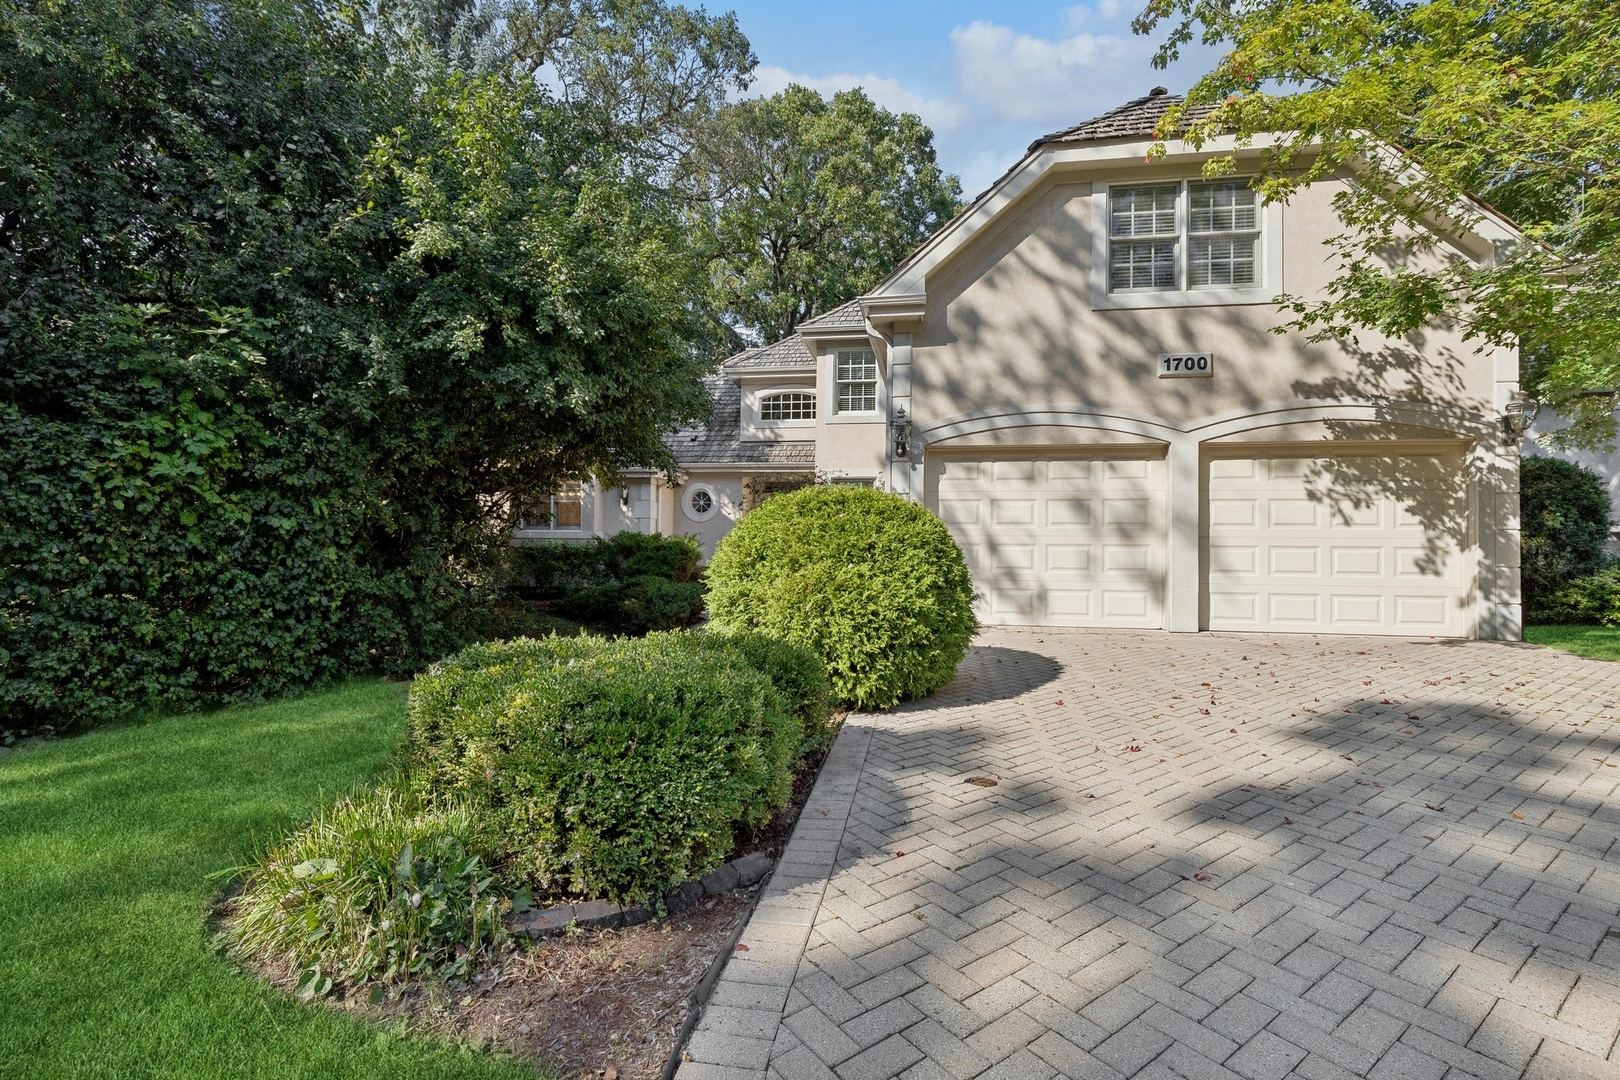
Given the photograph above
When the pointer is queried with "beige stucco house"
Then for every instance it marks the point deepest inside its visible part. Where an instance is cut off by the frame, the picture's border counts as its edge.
(1080, 375)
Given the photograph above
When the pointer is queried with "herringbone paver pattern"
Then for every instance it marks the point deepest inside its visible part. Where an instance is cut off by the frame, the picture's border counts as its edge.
(1213, 856)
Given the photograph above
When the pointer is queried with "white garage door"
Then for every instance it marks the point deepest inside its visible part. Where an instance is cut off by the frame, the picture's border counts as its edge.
(1348, 545)
(1060, 541)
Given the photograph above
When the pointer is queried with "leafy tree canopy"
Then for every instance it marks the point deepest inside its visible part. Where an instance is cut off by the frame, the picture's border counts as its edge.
(1516, 103)
(288, 312)
(816, 201)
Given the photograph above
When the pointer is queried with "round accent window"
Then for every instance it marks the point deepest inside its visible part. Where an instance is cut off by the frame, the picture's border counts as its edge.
(701, 502)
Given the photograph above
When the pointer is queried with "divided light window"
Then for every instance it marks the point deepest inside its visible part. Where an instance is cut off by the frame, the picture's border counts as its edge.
(789, 406)
(561, 511)
(857, 380)
(1197, 234)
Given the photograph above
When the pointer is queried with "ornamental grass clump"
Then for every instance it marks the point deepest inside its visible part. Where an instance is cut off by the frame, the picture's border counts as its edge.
(383, 887)
(867, 581)
(603, 768)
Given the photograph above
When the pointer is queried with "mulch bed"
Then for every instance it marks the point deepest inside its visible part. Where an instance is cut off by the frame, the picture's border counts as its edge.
(602, 1004)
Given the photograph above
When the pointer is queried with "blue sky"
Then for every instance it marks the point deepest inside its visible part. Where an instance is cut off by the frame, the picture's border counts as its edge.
(987, 77)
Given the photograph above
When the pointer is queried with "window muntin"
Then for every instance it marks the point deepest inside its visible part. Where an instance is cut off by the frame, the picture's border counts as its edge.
(856, 376)
(1223, 226)
(701, 502)
(1135, 213)
(1148, 242)
(792, 405)
(561, 511)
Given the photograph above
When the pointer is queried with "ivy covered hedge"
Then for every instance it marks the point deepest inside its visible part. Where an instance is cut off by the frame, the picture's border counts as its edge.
(288, 317)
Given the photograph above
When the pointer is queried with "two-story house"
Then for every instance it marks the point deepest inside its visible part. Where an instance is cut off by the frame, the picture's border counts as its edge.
(1082, 375)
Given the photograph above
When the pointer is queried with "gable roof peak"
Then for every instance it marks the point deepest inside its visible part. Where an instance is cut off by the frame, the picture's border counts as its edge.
(1136, 119)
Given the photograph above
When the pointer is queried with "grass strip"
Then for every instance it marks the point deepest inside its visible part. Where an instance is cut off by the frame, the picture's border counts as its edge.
(107, 844)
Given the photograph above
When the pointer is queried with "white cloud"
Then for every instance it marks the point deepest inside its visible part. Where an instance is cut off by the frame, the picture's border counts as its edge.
(1007, 88)
(937, 114)
(1025, 79)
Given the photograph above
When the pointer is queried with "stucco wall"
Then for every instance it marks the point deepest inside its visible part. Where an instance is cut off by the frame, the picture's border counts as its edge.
(728, 493)
(1009, 320)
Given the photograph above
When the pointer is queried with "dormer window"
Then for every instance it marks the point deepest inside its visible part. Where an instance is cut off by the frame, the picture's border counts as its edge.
(1190, 235)
(793, 405)
(856, 376)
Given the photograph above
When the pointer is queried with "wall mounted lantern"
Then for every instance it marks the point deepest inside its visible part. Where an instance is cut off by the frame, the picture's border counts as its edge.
(1519, 413)
(902, 433)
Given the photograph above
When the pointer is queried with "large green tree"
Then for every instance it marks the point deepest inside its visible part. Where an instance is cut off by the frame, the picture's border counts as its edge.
(1434, 103)
(813, 202)
(287, 313)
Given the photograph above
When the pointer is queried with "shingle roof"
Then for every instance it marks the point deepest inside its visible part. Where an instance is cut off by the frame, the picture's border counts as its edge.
(720, 442)
(1133, 120)
(846, 314)
(790, 352)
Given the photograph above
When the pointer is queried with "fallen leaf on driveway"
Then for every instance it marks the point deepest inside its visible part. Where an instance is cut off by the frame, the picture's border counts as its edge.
(1288, 821)
(741, 947)
(1439, 809)
(1518, 815)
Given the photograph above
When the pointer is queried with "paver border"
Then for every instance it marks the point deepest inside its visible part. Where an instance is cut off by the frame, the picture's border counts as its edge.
(739, 1022)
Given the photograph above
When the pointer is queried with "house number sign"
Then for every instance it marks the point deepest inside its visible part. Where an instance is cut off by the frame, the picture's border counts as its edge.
(1197, 365)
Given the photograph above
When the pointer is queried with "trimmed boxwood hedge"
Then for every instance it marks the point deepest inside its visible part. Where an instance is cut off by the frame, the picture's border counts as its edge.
(616, 768)
(869, 582)
(1564, 511)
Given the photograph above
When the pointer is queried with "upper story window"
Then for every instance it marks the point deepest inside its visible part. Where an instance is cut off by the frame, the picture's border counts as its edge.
(793, 405)
(856, 376)
(561, 511)
(1189, 235)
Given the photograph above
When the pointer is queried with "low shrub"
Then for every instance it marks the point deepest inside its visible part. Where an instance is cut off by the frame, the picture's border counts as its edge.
(1564, 511)
(800, 676)
(554, 569)
(637, 606)
(380, 887)
(867, 581)
(1590, 600)
(616, 768)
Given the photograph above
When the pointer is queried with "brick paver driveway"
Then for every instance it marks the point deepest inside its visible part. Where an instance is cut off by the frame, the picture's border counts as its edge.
(1203, 857)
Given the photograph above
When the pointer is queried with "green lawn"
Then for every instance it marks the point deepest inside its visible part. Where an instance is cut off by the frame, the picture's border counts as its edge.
(1601, 642)
(106, 845)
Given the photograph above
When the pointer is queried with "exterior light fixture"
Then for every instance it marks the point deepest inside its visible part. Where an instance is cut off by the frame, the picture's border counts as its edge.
(902, 433)
(1519, 413)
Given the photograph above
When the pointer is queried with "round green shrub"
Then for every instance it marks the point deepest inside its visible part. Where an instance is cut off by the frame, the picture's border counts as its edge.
(607, 768)
(798, 674)
(872, 584)
(1564, 513)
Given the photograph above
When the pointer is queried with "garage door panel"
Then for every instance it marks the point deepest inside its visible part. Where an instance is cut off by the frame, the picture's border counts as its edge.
(1293, 514)
(1067, 559)
(1012, 511)
(1065, 541)
(1229, 561)
(1355, 544)
(1067, 512)
(1296, 561)
(1358, 562)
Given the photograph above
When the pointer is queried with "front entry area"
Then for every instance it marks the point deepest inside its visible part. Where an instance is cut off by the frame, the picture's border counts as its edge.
(1060, 541)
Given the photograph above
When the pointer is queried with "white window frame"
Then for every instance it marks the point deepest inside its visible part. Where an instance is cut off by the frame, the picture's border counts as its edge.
(549, 526)
(697, 489)
(1268, 255)
(838, 384)
(807, 393)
